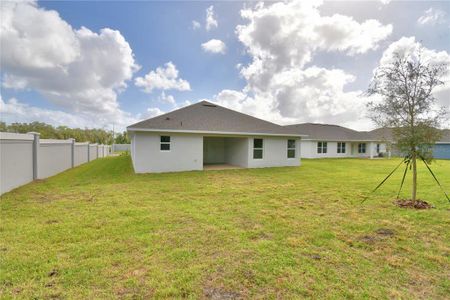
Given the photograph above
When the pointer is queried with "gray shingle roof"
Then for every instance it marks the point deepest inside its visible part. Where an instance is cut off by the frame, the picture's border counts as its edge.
(205, 116)
(330, 132)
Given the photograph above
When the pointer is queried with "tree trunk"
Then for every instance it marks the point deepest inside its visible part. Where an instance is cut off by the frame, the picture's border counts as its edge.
(414, 170)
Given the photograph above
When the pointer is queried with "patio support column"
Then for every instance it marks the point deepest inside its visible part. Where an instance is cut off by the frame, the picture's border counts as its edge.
(371, 150)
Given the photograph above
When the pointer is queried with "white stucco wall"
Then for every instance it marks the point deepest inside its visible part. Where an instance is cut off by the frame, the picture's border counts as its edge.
(54, 156)
(274, 153)
(186, 153)
(236, 151)
(81, 153)
(213, 150)
(309, 149)
(16, 160)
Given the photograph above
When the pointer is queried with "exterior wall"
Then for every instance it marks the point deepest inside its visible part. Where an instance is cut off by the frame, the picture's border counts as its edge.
(441, 151)
(213, 150)
(16, 160)
(236, 151)
(309, 149)
(54, 156)
(186, 153)
(81, 153)
(274, 153)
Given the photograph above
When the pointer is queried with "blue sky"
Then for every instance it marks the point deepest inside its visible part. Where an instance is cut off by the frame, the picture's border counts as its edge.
(162, 32)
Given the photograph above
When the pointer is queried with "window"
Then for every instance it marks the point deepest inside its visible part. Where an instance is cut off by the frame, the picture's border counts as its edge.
(340, 147)
(165, 143)
(362, 148)
(378, 148)
(291, 148)
(321, 147)
(257, 148)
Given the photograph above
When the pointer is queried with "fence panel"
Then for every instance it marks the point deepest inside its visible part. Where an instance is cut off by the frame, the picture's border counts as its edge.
(54, 157)
(16, 160)
(81, 153)
(121, 147)
(25, 157)
(93, 154)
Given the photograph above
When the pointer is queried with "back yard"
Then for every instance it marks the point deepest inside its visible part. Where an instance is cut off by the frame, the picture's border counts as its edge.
(100, 231)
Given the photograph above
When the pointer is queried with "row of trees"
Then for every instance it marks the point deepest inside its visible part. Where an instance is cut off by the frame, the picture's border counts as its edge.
(48, 131)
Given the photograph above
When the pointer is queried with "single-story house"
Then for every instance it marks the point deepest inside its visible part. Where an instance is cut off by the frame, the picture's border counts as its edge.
(204, 134)
(334, 141)
(441, 149)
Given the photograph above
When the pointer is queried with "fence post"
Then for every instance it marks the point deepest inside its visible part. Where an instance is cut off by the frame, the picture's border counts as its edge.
(36, 136)
(89, 151)
(72, 146)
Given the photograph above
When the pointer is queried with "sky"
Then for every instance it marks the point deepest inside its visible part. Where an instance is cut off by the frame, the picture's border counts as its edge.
(101, 64)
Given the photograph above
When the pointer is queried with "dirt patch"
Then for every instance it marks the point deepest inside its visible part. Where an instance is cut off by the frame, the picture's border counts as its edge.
(385, 232)
(51, 222)
(316, 256)
(369, 239)
(379, 235)
(417, 204)
(52, 273)
(220, 294)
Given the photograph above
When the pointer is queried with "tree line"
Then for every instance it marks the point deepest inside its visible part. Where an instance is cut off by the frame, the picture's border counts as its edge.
(48, 131)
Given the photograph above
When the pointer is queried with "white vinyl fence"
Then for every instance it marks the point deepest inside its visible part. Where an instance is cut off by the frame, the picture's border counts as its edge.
(26, 157)
(121, 147)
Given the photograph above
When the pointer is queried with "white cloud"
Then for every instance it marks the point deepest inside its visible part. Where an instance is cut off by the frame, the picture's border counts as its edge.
(282, 39)
(385, 2)
(409, 46)
(15, 111)
(195, 25)
(169, 99)
(211, 21)
(79, 70)
(163, 78)
(432, 17)
(151, 113)
(214, 46)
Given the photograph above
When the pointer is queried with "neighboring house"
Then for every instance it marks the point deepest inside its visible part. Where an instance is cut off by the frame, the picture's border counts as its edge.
(206, 134)
(326, 141)
(441, 149)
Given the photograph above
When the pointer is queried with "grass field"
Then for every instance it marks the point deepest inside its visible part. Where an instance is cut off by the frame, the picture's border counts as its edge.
(101, 232)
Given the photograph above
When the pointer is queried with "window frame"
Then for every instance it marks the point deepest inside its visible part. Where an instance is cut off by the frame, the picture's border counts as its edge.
(292, 148)
(258, 148)
(322, 147)
(362, 146)
(341, 147)
(161, 143)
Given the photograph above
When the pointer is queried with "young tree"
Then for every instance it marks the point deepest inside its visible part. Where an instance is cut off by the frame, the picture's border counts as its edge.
(407, 105)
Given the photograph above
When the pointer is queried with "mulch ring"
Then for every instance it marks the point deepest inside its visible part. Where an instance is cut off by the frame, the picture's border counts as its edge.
(417, 204)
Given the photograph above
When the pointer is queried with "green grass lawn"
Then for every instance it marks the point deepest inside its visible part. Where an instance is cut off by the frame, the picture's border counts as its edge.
(100, 231)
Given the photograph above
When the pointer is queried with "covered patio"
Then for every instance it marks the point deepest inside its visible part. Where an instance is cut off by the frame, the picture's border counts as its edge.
(221, 152)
